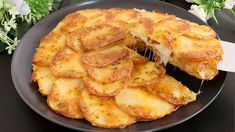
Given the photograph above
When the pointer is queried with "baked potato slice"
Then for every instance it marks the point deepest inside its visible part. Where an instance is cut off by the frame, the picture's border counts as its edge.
(117, 71)
(126, 15)
(173, 91)
(71, 22)
(103, 112)
(145, 75)
(137, 58)
(155, 16)
(142, 105)
(142, 28)
(64, 98)
(96, 17)
(103, 89)
(175, 26)
(200, 31)
(48, 47)
(104, 57)
(203, 70)
(73, 41)
(191, 50)
(100, 36)
(67, 63)
(44, 78)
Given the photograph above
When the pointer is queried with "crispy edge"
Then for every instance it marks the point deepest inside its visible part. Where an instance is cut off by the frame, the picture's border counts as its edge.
(104, 57)
(65, 57)
(116, 33)
(88, 117)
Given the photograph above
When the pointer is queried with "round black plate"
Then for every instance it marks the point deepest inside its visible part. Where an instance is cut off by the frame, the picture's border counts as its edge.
(22, 63)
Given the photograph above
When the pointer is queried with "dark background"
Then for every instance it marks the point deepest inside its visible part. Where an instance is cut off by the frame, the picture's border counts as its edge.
(16, 116)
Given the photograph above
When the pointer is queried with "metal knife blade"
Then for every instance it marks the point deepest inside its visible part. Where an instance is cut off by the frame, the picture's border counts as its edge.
(228, 59)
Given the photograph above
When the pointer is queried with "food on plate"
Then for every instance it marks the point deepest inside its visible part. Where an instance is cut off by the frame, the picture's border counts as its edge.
(141, 104)
(44, 78)
(172, 91)
(103, 89)
(48, 48)
(90, 65)
(64, 97)
(99, 36)
(146, 75)
(67, 63)
(102, 57)
(103, 112)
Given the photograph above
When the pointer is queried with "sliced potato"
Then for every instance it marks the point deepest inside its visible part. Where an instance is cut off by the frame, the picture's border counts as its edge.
(200, 31)
(67, 63)
(71, 22)
(155, 16)
(203, 70)
(64, 98)
(126, 15)
(73, 41)
(142, 105)
(145, 75)
(96, 17)
(191, 50)
(104, 57)
(129, 41)
(48, 47)
(103, 89)
(103, 112)
(44, 78)
(137, 58)
(142, 28)
(117, 71)
(173, 91)
(100, 36)
(175, 26)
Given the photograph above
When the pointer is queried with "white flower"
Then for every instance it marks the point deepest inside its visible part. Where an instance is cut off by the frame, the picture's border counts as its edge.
(18, 6)
(13, 46)
(199, 12)
(9, 24)
(229, 4)
(24, 8)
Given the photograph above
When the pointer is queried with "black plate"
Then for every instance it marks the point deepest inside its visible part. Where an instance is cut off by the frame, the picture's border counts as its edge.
(22, 63)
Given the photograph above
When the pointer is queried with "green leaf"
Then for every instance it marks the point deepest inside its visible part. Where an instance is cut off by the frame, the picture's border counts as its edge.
(22, 28)
(39, 8)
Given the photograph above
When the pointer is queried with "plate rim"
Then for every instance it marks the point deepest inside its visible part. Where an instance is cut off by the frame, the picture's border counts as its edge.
(77, 5)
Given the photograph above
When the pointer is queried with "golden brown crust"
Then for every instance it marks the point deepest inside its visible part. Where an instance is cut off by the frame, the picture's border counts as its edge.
(173, 91)
(142, 105)
(71, 22)
(100, 36)
(200, 31)
(44, 78)
(48, 47)
(117, 71)
(103, 112)
(103, 89)
(126, 15)
(64, 98)
(203, 70)
(104, 57)
(137, 58)
(191, 50)
(146, 75)
(67, 63)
